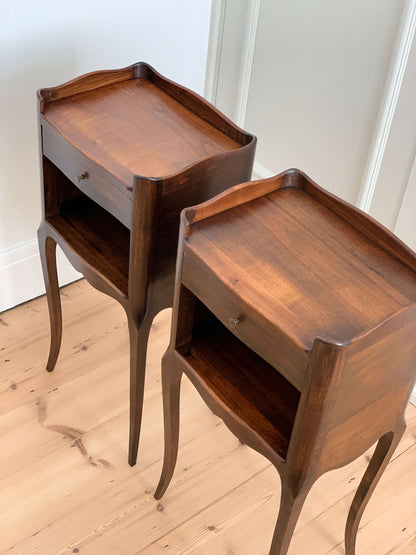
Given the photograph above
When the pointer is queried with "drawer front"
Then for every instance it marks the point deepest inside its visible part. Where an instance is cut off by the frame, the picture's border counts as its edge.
(92, 179)
(243, 321)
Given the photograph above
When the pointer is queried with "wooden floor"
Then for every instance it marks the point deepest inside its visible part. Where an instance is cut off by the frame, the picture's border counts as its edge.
(66, 487)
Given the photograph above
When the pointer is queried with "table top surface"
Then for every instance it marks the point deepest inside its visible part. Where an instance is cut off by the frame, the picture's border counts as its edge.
(134, 128)
(304, 267)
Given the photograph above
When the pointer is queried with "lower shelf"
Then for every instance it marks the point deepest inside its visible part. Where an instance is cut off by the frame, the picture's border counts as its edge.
(251, 389)
(97, 237)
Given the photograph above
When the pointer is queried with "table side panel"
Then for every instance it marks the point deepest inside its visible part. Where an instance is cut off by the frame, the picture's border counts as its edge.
(372, 390)
(197, 184)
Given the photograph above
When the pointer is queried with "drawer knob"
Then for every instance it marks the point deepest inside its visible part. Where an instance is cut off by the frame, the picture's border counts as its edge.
(234, 321)
(82, 176)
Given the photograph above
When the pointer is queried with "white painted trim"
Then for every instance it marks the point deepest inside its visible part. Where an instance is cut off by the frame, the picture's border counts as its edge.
(260, 172)
(21, 274)
(216, 34)
(404, 226)
(247, 61)
(394, 83)
(17, 253)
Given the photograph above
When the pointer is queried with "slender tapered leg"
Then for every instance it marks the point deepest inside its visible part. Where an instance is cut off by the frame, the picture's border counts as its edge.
(290, 508)
(47, 249)
(171, 384)
(138, 349)
(382, 454)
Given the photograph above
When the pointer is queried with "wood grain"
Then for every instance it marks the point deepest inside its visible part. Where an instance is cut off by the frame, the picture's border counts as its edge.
(125, 151)
(220, 501)
(327, 305)
(302, 250)
(168, 136)
(84, 226)
(247, 378)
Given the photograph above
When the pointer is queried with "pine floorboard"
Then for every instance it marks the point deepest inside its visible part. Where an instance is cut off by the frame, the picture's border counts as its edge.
(66, 487)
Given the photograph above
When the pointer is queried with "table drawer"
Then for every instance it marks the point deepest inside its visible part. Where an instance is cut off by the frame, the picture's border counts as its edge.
(243, 321)
(92, 179)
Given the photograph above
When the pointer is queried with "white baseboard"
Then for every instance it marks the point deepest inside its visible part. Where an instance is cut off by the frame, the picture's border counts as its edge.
(21, 274)
(260, 172)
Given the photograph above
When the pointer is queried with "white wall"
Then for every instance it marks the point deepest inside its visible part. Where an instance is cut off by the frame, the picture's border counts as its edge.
(46, 43)
(317, 80)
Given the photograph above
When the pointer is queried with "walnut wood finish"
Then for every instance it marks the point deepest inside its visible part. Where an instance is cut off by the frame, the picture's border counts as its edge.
(122, 153)
(294, 317)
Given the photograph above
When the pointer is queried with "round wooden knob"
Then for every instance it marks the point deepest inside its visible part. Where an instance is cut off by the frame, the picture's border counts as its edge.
(82, 176)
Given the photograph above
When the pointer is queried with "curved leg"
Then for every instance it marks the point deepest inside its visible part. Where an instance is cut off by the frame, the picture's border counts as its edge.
(289, 511)
(47, 249)
(171, 383)
(383, 453)
(138, 351)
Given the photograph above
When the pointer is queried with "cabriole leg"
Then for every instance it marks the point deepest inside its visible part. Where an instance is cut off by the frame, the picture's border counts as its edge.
(382, 454)
(171, 383)
(139, 336)
(289, 511)
(47, 249)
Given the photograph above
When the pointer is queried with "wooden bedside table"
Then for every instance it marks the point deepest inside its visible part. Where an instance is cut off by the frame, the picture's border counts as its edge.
(295, 319)
(122, 152)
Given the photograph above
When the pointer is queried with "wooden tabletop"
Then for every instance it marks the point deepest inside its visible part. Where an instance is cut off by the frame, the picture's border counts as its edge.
(303, 266)
(135, 128)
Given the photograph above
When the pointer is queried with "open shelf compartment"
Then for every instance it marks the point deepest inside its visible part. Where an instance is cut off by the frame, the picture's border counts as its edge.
(93, 234)
(255, 392)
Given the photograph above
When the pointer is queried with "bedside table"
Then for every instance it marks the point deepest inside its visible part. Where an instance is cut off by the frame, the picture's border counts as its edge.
(122, 152)
(295, 319)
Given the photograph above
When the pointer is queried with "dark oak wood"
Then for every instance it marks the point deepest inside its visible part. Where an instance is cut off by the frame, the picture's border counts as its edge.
(122, 153)
(294, 317)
